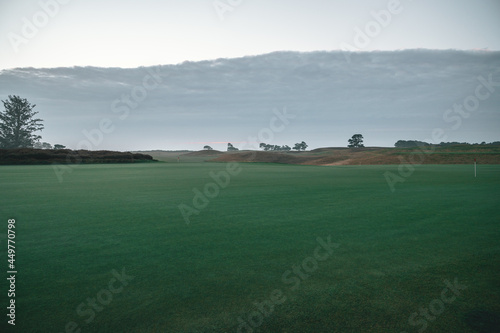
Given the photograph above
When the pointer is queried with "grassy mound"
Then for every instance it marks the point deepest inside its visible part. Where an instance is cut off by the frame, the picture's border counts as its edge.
(460, 154)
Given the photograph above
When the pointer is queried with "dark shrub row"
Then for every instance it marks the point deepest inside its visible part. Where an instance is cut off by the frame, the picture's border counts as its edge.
(65, 156)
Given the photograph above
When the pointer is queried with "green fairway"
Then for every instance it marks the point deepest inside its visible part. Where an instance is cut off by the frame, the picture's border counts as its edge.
(250, 259)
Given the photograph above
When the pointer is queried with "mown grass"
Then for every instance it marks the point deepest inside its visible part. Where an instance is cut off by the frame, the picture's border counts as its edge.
(395, 249)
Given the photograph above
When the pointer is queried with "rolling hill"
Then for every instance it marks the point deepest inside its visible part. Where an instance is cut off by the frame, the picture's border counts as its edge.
(459, 154)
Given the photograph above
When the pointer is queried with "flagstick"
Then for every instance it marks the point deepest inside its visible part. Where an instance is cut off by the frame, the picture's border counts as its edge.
(475, 168)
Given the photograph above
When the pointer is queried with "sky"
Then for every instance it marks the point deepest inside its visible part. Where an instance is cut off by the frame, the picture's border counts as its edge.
(129, 34)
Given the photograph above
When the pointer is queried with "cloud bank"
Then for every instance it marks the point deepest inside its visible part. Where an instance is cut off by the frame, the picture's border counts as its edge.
(386, 96)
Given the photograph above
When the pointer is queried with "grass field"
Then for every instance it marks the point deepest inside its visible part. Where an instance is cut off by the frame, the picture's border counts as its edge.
(256, 241)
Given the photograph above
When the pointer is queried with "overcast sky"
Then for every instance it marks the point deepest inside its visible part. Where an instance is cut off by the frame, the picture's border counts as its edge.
(128, 33)
(384, 95)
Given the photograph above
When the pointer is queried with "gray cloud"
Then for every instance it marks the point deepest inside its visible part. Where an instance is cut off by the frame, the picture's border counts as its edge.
(387, 96)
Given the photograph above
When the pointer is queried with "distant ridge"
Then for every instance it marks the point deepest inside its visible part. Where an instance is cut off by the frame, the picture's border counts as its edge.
(460, 154)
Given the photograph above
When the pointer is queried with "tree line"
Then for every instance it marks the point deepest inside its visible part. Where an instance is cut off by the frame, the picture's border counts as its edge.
(416, 143)
(300, 146)
(267, 147)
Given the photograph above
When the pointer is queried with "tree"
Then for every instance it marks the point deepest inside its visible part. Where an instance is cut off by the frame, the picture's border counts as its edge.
(17, 124)
(58, 146)
(356, 141)
(208, 148)
(43, 145)
(300, 146)
(230, 147)
(410, 144)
